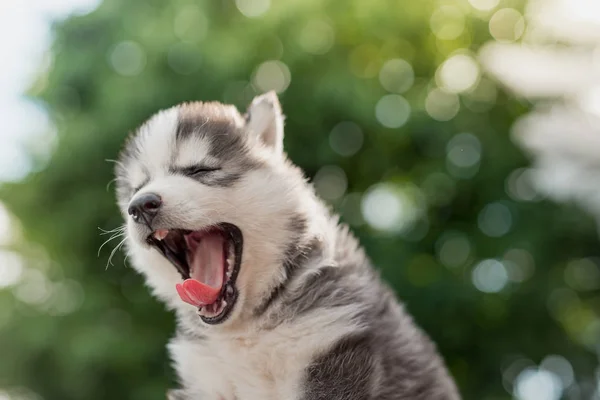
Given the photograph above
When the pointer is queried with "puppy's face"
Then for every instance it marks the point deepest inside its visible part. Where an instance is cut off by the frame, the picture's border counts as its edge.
(208, 199)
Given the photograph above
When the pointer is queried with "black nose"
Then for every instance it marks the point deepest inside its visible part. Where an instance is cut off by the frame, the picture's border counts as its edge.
(145, 207)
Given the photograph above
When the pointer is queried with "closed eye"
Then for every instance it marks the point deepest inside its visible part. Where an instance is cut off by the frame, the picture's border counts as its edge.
(196, 170)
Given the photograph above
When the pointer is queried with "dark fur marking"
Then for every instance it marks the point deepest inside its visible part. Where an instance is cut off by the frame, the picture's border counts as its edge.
(322, 291)
(224, 180)
(211, 122)
(187, 127)
(389, 358)
(345, 372)
(295, 256)
(217, 178)
(293, 268)
(298, 225)
(227, 142)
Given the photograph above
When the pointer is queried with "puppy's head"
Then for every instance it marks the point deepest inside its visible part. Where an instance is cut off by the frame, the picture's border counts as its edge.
(211, 205)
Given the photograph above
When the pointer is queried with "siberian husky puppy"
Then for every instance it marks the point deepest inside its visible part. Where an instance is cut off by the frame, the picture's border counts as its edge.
(274, 298)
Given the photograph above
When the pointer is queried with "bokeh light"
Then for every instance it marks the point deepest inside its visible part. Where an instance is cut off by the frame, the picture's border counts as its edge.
(67, 297)
(331, 182)
(19, 393)
(388, 208)
(392, 111)
(484, 5)
(34, 288)
(495, 220)
(190, 24)
(519, 185)
(519, 263)
(396, 76)
(317, 37)
(447, 22)
(507, 25)
(490, 276)
(442, 105)
(346, 138)
(538, 384)
(128, 58)
(511, 368)
(364, 61)
(453, 249)
(11, 268)
(458, 74)
(560, 367)
(272, 75)
(583, 274)
(253, 8)
(463, 154)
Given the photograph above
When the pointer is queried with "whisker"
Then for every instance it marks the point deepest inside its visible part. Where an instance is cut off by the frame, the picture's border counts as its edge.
(117, 229)
(109, 182)
(112, 253)
(119, 163)
(114, 236)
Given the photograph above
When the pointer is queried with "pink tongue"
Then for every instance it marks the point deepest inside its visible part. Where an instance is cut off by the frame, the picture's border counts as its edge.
(206, 262)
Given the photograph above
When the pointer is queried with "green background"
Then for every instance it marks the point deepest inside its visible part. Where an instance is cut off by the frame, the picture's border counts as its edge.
(90, 332)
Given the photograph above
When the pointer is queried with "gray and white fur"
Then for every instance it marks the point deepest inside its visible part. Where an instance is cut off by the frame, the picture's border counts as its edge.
(312, 319)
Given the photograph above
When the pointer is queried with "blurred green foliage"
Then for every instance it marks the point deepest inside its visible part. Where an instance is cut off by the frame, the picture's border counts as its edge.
(98, 334)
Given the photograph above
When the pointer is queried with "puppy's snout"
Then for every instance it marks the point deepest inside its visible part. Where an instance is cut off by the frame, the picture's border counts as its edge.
(144, 208)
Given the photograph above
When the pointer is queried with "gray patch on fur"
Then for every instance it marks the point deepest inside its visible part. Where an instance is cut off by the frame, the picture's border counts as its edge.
(207, 121)
(344, 373)
(349, 281)
(227, 142)
(296, 256)
(391, 359)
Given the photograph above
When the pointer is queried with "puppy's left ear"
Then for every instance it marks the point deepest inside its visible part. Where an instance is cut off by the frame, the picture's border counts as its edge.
(265, 120)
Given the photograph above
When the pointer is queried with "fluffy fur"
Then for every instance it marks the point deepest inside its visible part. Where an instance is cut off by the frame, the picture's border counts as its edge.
(312, 319)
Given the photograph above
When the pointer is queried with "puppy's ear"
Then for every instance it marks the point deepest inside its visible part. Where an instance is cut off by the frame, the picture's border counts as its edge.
(265, 120)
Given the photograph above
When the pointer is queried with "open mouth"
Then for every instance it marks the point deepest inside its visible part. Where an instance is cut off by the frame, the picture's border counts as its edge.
(208, 261)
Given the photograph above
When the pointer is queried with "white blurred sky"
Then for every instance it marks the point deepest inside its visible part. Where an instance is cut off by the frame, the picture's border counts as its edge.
(24, 39)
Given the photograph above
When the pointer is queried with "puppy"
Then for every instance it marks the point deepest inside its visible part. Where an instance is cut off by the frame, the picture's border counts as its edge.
(274, 298)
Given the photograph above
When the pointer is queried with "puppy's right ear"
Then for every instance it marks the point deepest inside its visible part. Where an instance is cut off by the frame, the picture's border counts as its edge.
(265, 120)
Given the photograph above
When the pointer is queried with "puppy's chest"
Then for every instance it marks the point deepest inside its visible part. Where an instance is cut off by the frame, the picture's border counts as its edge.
(258, 364)
(252, 369)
